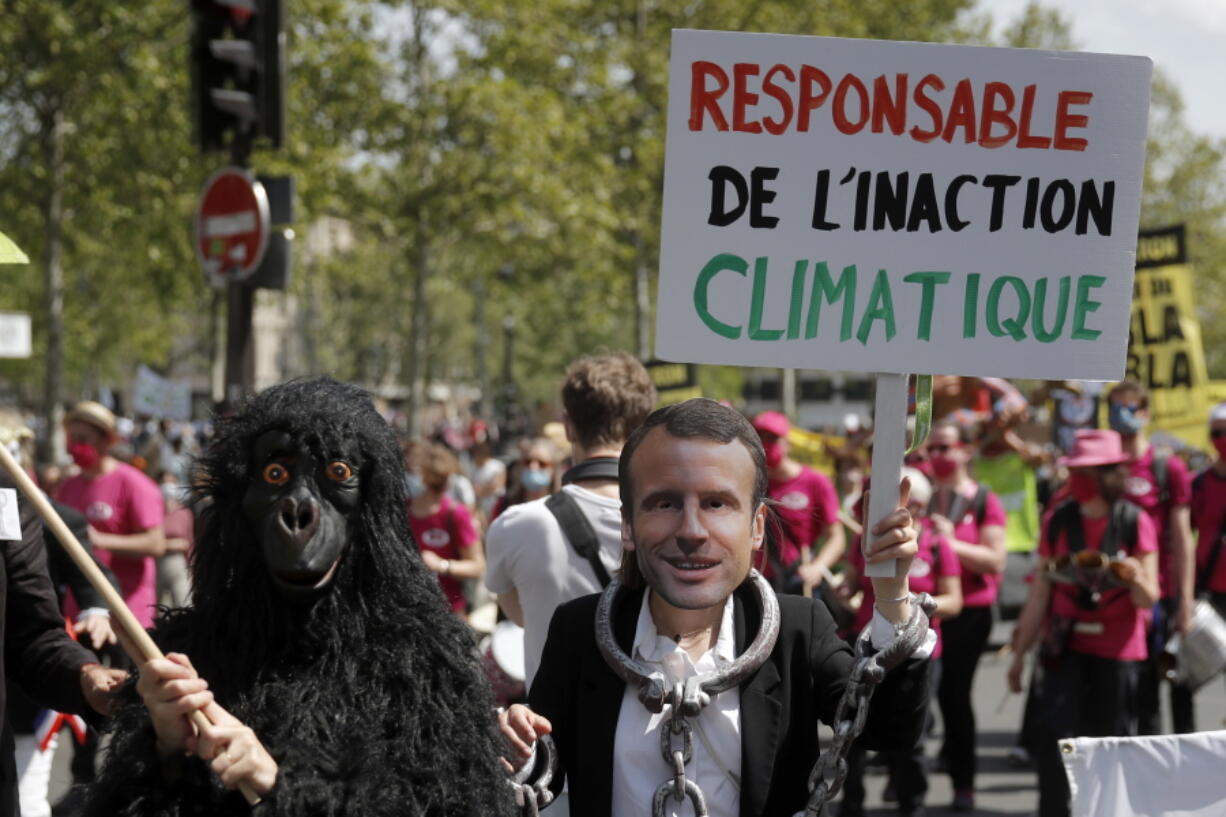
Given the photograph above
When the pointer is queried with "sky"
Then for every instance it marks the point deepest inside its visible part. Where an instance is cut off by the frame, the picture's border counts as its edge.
(1185, 38)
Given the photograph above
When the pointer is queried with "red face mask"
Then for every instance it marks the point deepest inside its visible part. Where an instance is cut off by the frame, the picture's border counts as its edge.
(83, 454)
(774, 454)
(1220, 444)
(943, 467)
(1083, 487)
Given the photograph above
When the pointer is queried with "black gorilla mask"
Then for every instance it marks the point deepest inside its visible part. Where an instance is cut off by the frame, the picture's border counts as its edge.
(301, 506)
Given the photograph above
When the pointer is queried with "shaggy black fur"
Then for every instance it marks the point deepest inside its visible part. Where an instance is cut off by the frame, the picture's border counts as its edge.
(370, 698)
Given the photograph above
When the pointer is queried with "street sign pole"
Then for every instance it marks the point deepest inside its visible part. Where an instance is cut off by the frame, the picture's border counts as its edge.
(240, 350)
(232, 235)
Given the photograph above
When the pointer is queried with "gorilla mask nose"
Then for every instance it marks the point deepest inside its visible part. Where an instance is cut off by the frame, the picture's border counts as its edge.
(298, 519)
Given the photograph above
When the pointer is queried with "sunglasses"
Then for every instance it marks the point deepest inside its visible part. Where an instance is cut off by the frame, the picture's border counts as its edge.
(942, 448)
(539, 463)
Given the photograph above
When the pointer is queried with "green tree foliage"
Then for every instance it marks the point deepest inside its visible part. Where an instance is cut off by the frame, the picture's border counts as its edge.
(1184, 182)
(456, 139)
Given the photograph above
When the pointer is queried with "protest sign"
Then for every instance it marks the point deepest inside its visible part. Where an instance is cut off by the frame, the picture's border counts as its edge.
(674, 382)
(158, 397)
(1165, 350)
(899, 207)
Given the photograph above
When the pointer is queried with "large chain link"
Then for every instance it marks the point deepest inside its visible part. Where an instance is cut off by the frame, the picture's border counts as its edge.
(532, 795)
(867, 672)
(688, 699)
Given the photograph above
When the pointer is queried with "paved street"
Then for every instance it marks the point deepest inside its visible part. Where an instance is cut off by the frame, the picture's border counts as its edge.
(1003, 789)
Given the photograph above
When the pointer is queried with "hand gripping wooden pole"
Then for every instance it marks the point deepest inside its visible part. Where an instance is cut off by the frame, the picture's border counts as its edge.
(137, 638)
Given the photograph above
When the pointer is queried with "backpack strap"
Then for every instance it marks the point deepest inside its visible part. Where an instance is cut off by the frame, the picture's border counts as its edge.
(578, 531)
(957, 506)
(980, 503)
(1121, 533)
(1066, 519)
(1161, 469)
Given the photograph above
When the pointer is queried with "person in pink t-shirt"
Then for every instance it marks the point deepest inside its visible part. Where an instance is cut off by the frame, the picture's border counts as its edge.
(443, 528)
(1094, 617)
(1160, 485)
(972, 519)
(123, 507)
(935, 570)
(1209, 517)
(807, 509)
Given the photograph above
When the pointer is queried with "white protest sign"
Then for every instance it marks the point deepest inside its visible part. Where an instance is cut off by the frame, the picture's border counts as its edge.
(900, 207)
(158, 397)
(15, 334)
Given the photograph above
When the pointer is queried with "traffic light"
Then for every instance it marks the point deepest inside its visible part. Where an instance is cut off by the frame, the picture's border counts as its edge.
(238, 73)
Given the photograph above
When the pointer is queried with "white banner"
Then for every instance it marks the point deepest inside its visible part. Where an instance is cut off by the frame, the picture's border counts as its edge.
(1171, 775)
(158, 397)
(900, 207)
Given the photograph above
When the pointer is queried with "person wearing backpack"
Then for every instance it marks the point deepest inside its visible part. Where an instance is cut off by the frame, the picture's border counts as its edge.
(971, 518)
(1091, 618)
(1209, 517)
(565, 545)
(1160, 485)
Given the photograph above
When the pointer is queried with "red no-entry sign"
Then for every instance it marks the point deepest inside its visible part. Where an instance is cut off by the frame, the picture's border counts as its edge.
(231, 225)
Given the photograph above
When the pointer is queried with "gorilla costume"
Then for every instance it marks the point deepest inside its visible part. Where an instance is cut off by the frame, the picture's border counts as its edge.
(317, 625)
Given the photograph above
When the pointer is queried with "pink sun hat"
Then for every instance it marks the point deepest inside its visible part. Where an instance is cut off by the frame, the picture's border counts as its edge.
(772, 422)
(1095, 446)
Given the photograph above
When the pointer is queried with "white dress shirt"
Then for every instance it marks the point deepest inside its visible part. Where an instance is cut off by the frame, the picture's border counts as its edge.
(638, 766)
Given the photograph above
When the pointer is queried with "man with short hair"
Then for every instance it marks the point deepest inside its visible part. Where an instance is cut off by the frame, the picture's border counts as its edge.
(535, 561)
(1161, 486)
(693, 484)
(124, 507)
(807, 510)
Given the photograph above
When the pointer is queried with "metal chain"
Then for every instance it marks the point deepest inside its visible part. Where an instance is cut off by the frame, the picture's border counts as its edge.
(867, 672)
(688, 699)
(534, 795)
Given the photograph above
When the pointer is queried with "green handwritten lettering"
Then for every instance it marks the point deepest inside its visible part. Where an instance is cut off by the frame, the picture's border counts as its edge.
(928, 282)
(880, 308)
(1082, 306)
(721, 262)
(824, 287)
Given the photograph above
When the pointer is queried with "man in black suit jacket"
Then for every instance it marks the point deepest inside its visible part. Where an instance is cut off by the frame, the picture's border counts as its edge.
(693, 482)
(37, 652)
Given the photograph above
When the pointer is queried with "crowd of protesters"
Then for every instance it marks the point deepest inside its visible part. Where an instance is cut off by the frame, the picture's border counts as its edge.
(1097, 540)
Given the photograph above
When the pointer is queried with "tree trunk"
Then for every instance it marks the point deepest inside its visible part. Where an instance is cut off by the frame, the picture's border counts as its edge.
(417, 330)
(52, 443)
(642, 299)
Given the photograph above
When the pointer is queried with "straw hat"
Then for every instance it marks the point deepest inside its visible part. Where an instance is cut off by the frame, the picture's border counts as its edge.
(94, 414)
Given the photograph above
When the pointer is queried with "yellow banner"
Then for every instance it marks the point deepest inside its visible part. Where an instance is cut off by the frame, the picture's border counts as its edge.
(1165, 353)
(814, 450)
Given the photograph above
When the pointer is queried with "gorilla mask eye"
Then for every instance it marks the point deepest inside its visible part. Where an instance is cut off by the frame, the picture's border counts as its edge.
(276, 474)
(338, 471)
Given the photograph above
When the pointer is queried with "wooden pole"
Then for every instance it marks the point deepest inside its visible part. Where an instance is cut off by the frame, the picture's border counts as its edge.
(889, 443)
(121, 615)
